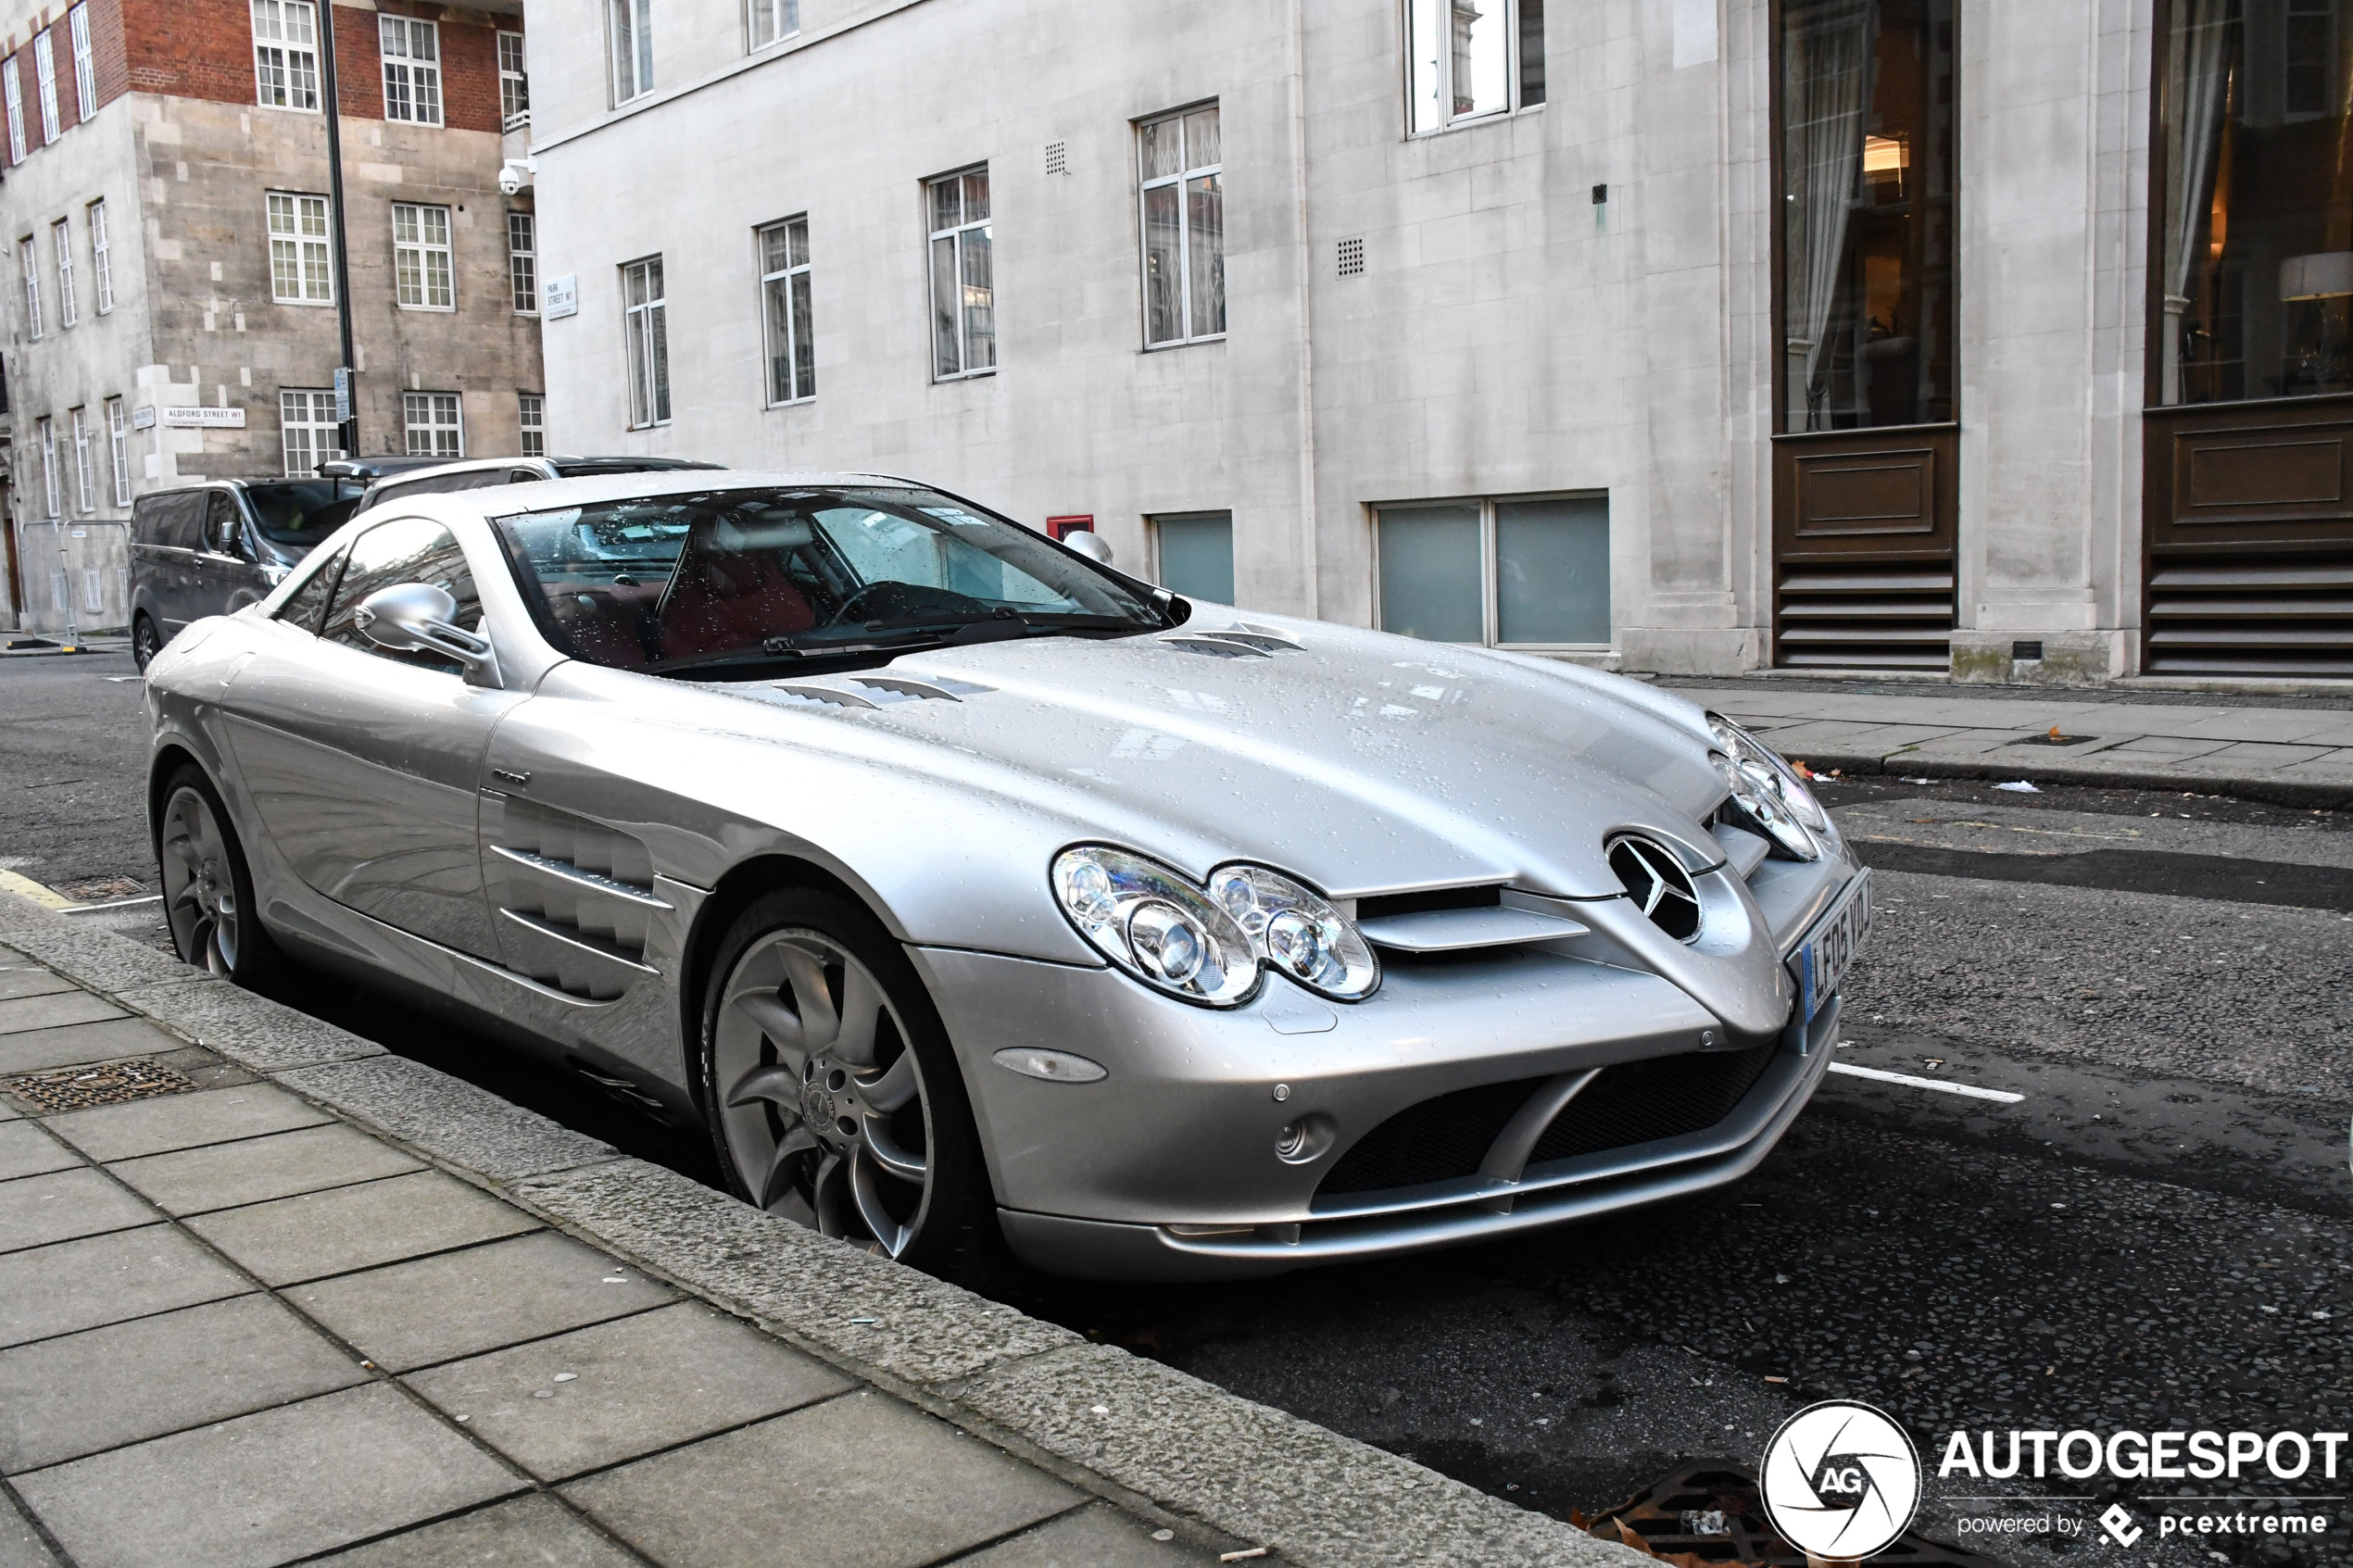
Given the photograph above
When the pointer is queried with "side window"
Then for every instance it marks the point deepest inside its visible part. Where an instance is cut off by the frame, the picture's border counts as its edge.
(224, 531)
(307, 604)
(406, 550)
(170, 522)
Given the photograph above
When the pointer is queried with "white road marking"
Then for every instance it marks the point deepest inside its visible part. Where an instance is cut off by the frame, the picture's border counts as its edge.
(112, 904)
(2000, 1096)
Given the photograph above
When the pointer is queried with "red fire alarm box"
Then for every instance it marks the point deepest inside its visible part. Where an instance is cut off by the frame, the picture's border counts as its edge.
(1060, 527)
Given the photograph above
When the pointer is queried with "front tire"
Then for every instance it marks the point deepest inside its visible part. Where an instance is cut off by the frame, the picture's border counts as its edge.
(832, 1092)
(208, 889)
(146, 642)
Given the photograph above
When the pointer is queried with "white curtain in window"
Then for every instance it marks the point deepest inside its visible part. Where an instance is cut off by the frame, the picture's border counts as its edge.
(2198, 79)
(1828, 63)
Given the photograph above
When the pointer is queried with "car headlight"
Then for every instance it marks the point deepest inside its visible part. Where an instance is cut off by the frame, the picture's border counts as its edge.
(1769, 791)
(1297, 932)
(1155, 925)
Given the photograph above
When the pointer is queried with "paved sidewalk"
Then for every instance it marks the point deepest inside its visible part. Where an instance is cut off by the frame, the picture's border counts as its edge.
(312, 1302)
(2291, 755)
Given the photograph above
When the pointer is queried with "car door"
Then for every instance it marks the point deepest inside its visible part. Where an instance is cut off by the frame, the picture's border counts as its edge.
(223, 575)
(362, 763)
(170, 528)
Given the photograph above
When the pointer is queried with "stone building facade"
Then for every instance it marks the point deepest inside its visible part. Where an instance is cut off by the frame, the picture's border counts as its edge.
(1682, 335)
(167, 217)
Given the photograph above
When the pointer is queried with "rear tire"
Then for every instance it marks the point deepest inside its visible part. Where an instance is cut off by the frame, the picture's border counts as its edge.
(833, 1095)
(208, 888)
(145, 640)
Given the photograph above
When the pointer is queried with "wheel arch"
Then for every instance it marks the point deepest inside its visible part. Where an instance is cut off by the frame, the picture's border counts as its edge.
(169, 760)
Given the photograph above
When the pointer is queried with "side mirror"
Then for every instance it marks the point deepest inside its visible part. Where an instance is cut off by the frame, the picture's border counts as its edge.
(420, 618)
(1088, 543)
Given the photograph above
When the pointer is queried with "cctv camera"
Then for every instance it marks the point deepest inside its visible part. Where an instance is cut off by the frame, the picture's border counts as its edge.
(510, 178)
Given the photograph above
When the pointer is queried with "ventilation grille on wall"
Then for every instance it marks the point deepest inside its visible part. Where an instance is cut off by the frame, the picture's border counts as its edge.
(1057, 158)
(2280, 616)
(1351, 256)
(1878, 616)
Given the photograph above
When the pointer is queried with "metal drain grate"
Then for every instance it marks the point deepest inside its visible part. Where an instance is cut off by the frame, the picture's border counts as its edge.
(117, 1082)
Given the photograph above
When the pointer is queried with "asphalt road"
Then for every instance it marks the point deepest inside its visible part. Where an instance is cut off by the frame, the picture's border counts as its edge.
(2159, 1236)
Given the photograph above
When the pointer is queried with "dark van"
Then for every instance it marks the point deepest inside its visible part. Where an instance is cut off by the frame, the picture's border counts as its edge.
(214, 548)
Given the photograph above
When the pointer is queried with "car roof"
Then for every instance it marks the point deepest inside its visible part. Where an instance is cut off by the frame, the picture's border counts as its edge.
(544, 495)
(604, 464)
(378, 467)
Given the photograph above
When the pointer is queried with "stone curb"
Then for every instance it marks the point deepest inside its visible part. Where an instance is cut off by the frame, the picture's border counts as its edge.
(1141, 1434)
(2061, 769)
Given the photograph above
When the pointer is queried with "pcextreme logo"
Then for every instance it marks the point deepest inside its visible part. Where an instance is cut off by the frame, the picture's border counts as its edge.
(1841, 1480)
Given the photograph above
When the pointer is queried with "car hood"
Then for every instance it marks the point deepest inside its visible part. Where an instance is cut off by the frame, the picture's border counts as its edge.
(1359, 761)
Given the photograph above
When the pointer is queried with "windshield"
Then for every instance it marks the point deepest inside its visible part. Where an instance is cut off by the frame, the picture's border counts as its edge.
(301, 512)
(730, 579)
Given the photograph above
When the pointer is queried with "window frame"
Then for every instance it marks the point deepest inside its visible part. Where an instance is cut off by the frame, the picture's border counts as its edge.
(1490, 568)
(101, 256)
(86, 477)
(791, 273)
(29, 262)
(69, 297)
(50, 485)
(425, 250)
(646, 329)
(300, 242)
(85, 67)
(431, 402)
(419, 74)
(288, 53)
(514, 82)
(12, 89)
(629, 49)
(119, 451)
(315, 400)
(784, 15)
(531, 423)
(45, 76)
(1513, 35)
(955, 237)
(1182, 183)
(522, 261)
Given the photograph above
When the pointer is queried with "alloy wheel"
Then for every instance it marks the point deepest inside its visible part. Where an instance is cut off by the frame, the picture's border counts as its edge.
(200, 883)
(144, 644)
(821, 1100)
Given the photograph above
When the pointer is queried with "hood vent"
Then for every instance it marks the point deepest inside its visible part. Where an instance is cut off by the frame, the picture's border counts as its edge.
(1241, 640)
(877, 691)
(1655, 878)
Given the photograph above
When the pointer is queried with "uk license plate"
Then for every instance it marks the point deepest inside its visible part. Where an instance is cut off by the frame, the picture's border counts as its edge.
(1822, 962)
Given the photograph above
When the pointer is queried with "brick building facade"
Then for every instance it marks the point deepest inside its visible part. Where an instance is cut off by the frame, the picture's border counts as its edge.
(173, 275)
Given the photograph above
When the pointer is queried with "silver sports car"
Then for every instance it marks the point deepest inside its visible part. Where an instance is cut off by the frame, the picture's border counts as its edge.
(965, 888)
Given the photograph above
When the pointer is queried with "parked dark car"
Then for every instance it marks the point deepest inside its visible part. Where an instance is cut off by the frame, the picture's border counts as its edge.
(213, 549)
(480, 473)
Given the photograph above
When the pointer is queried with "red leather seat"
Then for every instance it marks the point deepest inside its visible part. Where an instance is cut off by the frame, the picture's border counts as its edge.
(721, 601)
(609, 625)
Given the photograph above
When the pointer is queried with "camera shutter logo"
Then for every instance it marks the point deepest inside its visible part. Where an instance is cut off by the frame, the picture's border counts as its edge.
(1841, 1480)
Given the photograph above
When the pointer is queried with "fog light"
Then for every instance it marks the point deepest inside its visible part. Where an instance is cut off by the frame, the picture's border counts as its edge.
(1306, 1140)
(1290, 1141)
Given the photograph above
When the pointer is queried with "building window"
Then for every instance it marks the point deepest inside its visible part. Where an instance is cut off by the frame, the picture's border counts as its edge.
(1526, 572)
(101, 256)
(307, 420)
(300, 268)
(645, 322)
(86, 486)
(631, 23)
(412, 69)
(85, 71)
(1472, 58)
(14, 91)
(1184, 228)
(773, 20)
(30, 259)
(522, 261)
(432, 418)
(514, 84)
(69, 297)
(2252, 266)
(1196, 554)
(119, 451)
(44, 73)
(49, 466)
(784, 298)
(422, 274)
(285, 54)
(531, 409)
(963, 296)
